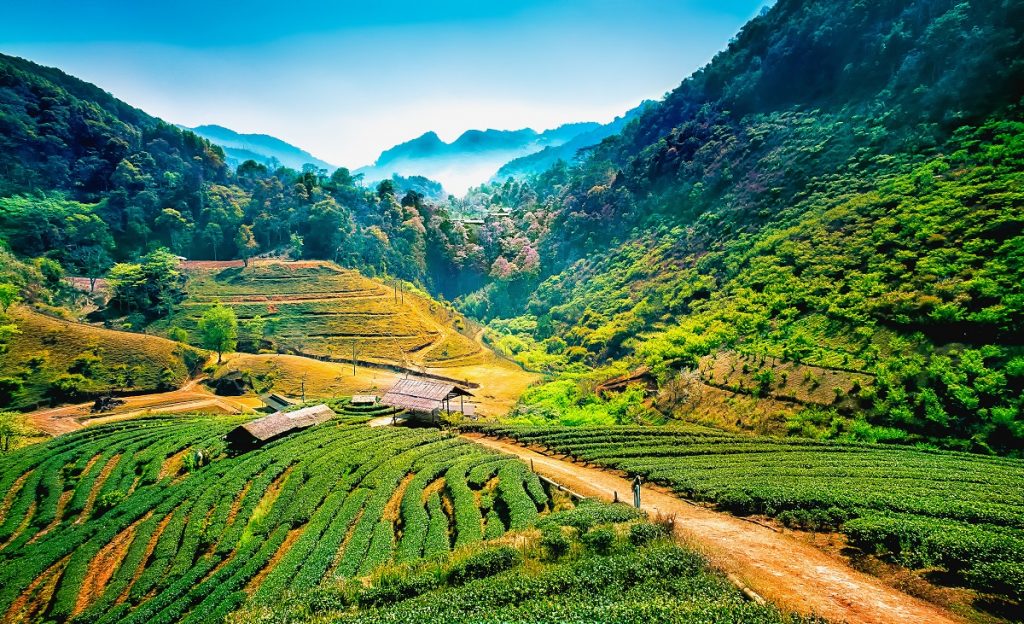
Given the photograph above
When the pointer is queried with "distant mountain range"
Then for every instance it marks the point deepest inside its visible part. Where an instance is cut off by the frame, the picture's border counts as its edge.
(477, 156)
(262, 148)
(568, 151)
(473, 158)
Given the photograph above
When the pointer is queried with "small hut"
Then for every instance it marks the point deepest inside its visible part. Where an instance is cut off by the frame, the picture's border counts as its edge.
(423, 397)
(276, 402)
(263, 430)
(364, 399)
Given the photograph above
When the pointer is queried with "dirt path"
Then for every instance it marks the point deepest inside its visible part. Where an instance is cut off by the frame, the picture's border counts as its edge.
(190, 397)
(787, 572)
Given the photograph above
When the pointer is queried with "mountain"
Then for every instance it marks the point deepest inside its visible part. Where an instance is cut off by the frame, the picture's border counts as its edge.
(262, 148)
(471, 159)
(543, 160)
(819, 232)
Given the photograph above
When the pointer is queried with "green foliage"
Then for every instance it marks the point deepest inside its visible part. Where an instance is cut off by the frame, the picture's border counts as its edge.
(315, 498)
(926, 507)
(150, 287)
(218, 329)
(8, 296)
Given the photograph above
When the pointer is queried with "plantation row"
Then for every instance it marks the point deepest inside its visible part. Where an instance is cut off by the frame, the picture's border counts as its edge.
(964, 512)
(133, 522)
(592, 563)
(322, 310)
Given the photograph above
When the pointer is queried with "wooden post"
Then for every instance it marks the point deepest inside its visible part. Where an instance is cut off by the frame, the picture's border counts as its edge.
(532, 469)
(353, 357)
(616, 493)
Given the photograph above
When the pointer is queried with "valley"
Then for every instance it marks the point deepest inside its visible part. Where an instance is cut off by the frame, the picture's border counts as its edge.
(778, 309)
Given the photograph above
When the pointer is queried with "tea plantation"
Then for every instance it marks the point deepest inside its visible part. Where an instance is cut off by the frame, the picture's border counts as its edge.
(922, 507)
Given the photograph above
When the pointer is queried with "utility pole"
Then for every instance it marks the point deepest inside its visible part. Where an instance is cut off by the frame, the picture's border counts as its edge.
(303, 388)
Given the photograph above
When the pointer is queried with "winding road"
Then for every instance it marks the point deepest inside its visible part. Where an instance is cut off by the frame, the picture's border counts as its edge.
(787, 572)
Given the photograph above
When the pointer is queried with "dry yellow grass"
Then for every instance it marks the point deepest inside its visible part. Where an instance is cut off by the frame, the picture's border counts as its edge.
(501, 383)
(47, 347)
(322, 310)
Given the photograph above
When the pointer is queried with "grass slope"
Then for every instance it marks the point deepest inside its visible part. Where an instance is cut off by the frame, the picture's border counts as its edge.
(62, 360)
(322, 310)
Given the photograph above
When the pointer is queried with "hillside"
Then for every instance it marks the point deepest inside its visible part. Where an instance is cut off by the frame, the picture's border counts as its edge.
(360, 518)
(568, 152)
(775, 206)
(262, 148)
(52, 360)
(328, 314)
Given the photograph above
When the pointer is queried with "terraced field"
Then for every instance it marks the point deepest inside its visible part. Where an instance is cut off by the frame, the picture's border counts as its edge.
(960, 512)
(149, 520)
(322, 310)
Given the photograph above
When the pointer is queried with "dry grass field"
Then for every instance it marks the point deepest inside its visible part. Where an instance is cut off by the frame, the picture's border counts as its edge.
(500, 383)
(49, 349)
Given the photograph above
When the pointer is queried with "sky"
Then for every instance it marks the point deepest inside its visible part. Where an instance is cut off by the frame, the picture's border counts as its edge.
(346, 81)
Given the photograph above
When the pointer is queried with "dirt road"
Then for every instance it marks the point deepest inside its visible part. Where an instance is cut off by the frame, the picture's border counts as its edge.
(189, 398)
(789, 573)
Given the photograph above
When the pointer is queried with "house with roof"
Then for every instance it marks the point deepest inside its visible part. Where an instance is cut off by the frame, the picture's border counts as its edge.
(279, 424)
(427, 399)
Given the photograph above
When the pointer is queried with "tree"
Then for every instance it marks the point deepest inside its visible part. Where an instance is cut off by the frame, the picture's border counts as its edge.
(13, 425)
(218, 329)
(246, 243)
(8, 296)
(151, 287)
(178, 334)
(253, 331)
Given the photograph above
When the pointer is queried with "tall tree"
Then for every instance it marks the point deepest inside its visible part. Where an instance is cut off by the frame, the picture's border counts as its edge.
(218, 329)
(246, 243)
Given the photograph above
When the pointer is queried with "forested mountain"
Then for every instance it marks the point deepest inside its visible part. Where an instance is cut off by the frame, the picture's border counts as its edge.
(835, 199)
(262, 148)
(569, 151)
(86, 180)
(472, 158)
(839, 189)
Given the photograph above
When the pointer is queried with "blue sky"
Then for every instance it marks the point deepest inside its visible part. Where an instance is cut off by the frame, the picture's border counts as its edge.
(347, 80)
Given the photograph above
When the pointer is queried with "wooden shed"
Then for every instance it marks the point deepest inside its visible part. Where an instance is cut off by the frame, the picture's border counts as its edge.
(364, 399)
(426, 397)
(276, 425)
(276, 401)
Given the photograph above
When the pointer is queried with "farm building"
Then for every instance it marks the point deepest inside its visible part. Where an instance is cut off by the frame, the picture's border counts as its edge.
(263, 430)
(364, 399)
(276, 401)
(423, 397)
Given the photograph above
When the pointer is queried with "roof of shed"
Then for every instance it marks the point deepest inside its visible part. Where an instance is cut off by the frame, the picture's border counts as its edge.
(421, 395)
(279, 422)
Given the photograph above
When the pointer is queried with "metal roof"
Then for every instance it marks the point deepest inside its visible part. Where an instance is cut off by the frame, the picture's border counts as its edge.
(363, 399)
(276, 401)
(421, 395)
(280, 422)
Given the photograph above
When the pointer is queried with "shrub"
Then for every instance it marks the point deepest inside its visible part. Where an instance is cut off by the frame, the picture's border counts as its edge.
(399, 586)
(1000, 577)
(599, 540)
(554, 543)
(483, 564)
(646, 532)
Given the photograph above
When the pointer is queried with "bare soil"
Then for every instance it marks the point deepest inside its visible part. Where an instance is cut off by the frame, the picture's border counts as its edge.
(790, 573)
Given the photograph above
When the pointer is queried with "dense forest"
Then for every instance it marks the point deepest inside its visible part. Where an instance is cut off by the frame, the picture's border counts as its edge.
(839, 190)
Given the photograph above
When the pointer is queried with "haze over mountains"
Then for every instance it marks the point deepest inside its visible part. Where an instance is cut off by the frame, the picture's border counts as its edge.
(473, 158)
(262, 148)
